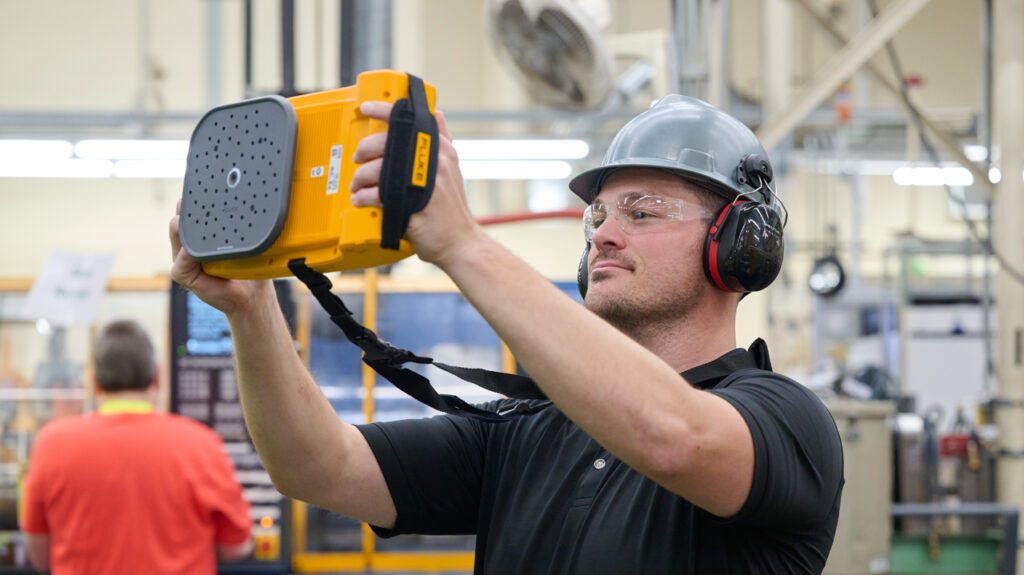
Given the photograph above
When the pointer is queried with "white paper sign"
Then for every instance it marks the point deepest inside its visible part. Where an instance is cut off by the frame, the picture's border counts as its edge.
(68, 290)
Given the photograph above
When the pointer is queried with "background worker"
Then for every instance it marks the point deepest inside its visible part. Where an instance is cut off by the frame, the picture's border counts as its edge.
(129, 490)
(629, 468)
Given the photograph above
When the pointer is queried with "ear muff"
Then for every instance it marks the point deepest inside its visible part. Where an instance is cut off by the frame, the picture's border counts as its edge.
(744, 248)
(583, 272)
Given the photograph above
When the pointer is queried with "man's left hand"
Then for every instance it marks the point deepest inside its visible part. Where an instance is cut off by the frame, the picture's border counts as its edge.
(445, 224)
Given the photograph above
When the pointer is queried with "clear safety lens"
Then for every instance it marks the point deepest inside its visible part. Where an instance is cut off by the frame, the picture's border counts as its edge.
(641, 213)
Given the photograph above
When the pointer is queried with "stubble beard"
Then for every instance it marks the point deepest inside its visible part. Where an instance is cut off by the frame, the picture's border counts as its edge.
(643, 315)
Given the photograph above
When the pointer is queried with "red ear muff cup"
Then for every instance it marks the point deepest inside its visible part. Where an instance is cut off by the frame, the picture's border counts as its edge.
(743, 251)
(712, 247)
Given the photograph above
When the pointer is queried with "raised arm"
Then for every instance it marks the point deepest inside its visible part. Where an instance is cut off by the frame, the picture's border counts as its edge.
(309, 452)
(627, 398)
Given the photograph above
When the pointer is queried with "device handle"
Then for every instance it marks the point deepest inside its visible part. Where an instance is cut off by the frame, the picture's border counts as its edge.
(410, 163)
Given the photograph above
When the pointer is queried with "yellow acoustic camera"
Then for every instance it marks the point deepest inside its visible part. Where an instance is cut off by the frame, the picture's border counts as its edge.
(267, 180)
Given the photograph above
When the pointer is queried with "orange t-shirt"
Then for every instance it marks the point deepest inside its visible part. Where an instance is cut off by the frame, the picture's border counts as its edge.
(133, 493)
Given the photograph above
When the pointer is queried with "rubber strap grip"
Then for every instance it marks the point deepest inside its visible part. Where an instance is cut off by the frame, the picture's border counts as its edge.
(409, 164)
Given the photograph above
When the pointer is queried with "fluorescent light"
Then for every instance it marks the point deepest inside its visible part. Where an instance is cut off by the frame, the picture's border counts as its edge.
(547, 196)
(932, 176)
(172, 169)
(512, 170)
(995, 175)
(132, 149)
(34, 150)
(56, 169)
(521, 149)
(976, 152)
(43, 327)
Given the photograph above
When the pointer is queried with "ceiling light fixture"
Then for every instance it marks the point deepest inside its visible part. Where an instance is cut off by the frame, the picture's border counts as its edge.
(14, 150)
(508, 159)
(521, 149)
(132, 149)
(153, 169)
(71, 168)
(933, 176)
(514, 170)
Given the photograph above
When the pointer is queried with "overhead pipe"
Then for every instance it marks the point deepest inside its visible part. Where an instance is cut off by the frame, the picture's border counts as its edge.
(247, 31)
(365, 42)
(571, 214)
(213, 73)
(347, 43)
(288, 48)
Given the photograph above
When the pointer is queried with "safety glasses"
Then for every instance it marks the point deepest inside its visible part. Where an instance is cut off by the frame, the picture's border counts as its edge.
(642, 213)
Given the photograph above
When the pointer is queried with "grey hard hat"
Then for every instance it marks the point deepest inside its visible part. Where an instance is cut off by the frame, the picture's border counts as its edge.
(686, 136)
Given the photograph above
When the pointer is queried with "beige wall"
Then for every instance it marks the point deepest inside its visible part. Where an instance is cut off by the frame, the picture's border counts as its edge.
(88, 57)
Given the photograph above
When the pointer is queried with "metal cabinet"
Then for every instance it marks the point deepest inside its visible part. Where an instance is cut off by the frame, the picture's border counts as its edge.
(864, 533)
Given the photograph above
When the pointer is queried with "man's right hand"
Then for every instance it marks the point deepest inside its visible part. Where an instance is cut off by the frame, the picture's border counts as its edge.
(229, 296)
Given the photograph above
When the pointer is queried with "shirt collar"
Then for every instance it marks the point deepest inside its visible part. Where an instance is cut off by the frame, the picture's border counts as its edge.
(709, 375)
(116, 406)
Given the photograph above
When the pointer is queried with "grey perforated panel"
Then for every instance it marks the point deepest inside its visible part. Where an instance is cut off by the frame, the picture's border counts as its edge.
(238, 179)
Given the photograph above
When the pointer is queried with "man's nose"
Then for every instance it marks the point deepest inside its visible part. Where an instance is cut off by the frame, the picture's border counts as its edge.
(610, 232)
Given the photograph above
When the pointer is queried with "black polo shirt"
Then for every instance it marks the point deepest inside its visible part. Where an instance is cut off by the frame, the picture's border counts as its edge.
(543, 497)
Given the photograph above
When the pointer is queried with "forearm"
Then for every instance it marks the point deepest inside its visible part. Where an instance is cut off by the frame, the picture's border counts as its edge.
(623, 395)
(619, 392)
(38, 549)
(284, 409)
(633, 403)
(309, 452)
(234, 552)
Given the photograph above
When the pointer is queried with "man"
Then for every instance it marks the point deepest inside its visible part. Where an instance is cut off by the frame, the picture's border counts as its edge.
(128, 490)
(629, 468)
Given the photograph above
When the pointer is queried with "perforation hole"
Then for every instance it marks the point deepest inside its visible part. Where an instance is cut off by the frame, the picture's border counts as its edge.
(249, 149)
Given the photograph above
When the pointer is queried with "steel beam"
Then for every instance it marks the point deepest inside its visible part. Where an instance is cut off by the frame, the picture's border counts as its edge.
(946, 143)
(1008, 131)
(838, 68)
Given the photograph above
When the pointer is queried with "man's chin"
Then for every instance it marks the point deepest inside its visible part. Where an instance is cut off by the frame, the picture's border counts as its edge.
(599, 300)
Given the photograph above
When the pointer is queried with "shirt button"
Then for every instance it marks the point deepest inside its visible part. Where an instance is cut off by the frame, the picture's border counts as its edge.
(599, 464)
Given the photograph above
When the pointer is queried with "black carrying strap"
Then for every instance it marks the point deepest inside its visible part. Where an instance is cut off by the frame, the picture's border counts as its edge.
(386, 359)
(409, 164)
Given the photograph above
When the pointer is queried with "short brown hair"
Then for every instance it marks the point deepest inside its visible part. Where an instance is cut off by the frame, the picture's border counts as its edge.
(123, 357)
(710, 199)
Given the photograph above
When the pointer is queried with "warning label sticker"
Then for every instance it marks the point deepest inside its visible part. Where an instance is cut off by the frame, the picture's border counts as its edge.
(334, 170)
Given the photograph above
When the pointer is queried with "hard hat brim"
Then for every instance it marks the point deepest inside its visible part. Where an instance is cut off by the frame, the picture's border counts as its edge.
(588, 184)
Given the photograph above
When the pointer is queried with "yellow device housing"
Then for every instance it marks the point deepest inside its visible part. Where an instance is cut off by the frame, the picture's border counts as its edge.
(320, 223)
